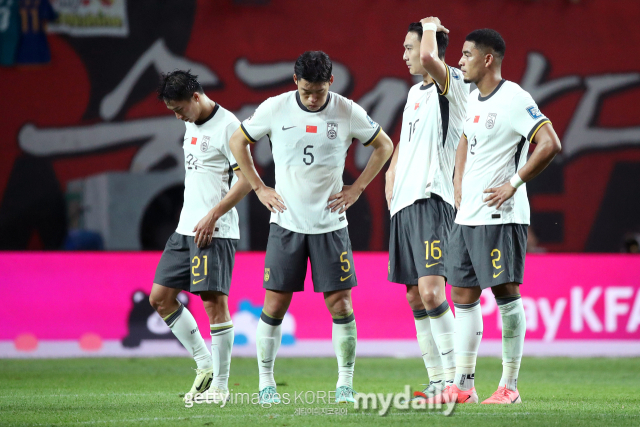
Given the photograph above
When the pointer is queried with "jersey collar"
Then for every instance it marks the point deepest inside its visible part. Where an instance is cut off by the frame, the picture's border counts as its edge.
(213, 113)
(484, 98)
(305, 109)
(423, 87)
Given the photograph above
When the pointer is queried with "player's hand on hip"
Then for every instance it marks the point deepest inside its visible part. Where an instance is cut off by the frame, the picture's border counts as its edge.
(204, 230)
(497, 196)
(434, 20)
(344, 199)
(272, 200)
(457, 196)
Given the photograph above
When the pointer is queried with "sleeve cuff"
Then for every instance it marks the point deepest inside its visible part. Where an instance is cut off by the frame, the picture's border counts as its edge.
(246, 134)
(446, 85)
(235, 167)
(465, 136)
(536, 128)
(373, 138)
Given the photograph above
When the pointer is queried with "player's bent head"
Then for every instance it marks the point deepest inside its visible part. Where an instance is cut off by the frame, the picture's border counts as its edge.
(488, 41)
(313, 76)
(442, 38)
(181, 92)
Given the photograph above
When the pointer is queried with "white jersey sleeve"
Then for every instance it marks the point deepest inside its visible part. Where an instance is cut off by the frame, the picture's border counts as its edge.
(455, 89)
(259, 123)
(225, 149)
(525, 116)
(362, 126)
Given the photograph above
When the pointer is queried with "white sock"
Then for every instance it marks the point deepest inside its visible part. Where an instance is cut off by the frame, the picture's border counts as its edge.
(468, 334)
(514, 327)
(268, 338)
(442, 328)
(185, 328)
(221, 344)
(428, 347)
(345, 336)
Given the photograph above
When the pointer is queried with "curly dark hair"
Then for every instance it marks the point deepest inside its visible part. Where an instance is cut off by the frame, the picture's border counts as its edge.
(314, 67)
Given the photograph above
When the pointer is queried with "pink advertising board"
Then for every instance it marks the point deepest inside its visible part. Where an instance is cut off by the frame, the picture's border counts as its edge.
(97, 303)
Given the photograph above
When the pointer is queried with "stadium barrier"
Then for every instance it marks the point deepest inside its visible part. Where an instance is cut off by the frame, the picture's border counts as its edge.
(96, 304)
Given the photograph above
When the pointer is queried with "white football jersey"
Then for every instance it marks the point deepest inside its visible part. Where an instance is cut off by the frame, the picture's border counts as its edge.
(498, 128)
(309, 151)
(431, 127)
(209, 168)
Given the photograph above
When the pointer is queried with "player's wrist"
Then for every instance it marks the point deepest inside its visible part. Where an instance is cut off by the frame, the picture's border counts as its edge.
(516, 181)
(429, 26)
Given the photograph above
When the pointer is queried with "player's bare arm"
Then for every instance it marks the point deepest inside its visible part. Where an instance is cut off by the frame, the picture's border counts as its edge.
(390, 176)
(429, 51)
(382, 150)
(239, 145)
(547, 146)
(461, 160)
(204, 228)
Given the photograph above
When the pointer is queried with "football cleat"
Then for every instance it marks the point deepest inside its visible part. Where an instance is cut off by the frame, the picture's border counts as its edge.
(216, 395)
(203, 380)
(453, 394)
(344, 394)
(432, 390)
(268, 395)
(504, 396)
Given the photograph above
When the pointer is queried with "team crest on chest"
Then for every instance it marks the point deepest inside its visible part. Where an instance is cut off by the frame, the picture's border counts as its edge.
(491, 120)
(332, 130)
(205, 143)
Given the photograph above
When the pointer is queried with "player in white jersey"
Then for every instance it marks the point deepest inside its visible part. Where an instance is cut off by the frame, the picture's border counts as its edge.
(310, 130)
(419, 191)
(488, 239)
(199, 256)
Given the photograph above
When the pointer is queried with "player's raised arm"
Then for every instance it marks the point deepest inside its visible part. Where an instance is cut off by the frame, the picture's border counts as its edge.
(239, 144)
(461, 160)
(382, 150)
(429, 55)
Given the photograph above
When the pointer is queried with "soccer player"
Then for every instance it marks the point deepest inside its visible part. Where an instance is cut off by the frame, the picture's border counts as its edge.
(488, 239)
(419, 192)
(199, 256)
(310, 130)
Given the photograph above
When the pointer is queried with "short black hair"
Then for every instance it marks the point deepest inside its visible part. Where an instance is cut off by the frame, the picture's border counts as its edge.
(442, 38)
(314, 66)
(178, 85)
(488, 38)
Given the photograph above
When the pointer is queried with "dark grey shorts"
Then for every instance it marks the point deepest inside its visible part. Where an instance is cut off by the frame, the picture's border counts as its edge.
(185, 266)
(418, 240)
(486, 255)
(285, 265)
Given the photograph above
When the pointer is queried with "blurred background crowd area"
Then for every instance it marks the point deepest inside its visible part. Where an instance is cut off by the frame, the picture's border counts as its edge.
(90, 160)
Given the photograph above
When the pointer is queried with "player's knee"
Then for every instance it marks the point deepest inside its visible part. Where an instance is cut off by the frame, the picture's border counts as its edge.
(340, 306)
(156, 303)
(413, 298)
(430, 298)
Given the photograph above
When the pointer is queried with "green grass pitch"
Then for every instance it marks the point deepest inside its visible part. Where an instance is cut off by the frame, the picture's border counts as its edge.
(115, 392)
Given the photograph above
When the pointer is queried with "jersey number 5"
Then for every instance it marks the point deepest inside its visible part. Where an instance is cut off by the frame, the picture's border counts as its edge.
(310, 159)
